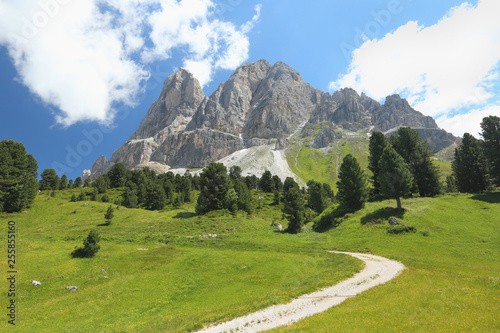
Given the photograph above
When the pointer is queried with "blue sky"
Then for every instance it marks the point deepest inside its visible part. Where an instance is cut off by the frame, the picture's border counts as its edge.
(78, 76)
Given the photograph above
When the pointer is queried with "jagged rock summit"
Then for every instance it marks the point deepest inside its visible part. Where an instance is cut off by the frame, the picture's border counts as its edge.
(259, 105)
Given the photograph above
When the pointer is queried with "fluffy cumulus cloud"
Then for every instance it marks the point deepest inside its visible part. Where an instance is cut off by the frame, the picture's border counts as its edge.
(84, 57)
(449, 66)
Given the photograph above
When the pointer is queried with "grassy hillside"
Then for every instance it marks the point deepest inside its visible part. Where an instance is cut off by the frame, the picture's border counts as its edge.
(162, 277)
(159, 274)
(323, 165)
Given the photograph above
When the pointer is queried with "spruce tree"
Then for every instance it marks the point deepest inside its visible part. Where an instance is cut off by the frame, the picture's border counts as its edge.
(469, 166)
(418, 158)
(294, 210)
(116, 175)
(317, 196)
(214, 184)
(491, 145)
(155, 198)
(109, 215)
(376, 148)
(352, 186)
(18, 173)
(49, 180)
(394, 178)
(63, 183)
(266, 183)
(78, 182)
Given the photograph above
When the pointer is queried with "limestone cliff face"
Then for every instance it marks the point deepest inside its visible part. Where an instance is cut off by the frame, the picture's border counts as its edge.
(260, 104)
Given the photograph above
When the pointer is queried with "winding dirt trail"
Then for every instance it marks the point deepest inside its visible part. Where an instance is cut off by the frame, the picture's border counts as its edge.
(378, 270)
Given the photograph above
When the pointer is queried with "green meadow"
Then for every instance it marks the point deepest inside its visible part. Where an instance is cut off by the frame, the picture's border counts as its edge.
(154, 273)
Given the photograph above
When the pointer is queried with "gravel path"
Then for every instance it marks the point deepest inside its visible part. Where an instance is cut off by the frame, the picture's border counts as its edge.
(378, 270)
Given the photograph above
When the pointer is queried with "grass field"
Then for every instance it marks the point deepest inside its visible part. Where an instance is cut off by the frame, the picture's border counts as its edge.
(162, 277)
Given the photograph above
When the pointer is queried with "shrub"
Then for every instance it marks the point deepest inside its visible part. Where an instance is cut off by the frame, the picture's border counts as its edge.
(105, 198)
(90, 246)
(401, 229)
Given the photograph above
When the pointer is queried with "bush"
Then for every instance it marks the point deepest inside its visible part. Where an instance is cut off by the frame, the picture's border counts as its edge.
(90, 246)
(401, 229)
(105, 198)
(74, 198)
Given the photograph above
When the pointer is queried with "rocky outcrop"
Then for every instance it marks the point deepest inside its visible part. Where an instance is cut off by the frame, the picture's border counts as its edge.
(196, 148)
(436, 138)
(258, 105)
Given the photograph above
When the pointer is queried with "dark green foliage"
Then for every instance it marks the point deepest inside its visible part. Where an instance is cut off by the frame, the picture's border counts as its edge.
(195, 182)
(155, 198)
(277, 198)
(395, 179)
(469, 166)
(78, 182)
(74, 198)
(81, 196)
(491, 145)
(352, 186)
(376, 148)
(278, 184)
(418, 158)
(266, 182)
(289, 183)
(244, 196)
(105, 198)
(53, 194)
(87, 182)
(328, 191)
(168, 187)
(294, 210)
(451, 185)
(231, 201)
(214, 184)
(317, 196)
(185, 189)
(93, 194)
(108, 216)
(63, 183)
(401, 229)
(117, 175)
(49, 180)
(90, 246)
(18, 173)
(235, 172)
(101, 184)
(252, 182)
(70, 183)
(177, 200)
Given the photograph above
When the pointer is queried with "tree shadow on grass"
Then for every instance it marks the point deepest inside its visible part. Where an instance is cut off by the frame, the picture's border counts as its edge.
(493, 197)
(331, 219)
(382, 214)
(184, 215)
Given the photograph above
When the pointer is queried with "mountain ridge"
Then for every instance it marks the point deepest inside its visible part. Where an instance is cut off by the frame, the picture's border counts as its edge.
(258, 105)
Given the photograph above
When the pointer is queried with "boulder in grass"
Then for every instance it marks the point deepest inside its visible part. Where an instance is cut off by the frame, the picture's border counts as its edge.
(393, 221)
(36, 283)
(72, 288)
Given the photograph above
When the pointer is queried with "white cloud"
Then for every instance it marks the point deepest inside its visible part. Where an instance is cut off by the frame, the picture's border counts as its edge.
(80, 56)
(449, 65)
(467, 123)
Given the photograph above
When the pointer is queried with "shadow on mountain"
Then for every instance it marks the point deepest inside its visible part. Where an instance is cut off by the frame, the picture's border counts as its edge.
(382, 214)
(493, 197)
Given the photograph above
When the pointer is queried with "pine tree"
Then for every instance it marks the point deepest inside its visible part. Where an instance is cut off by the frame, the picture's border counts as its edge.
(266, 183)
(352, 186)
(214, 184)
(185, 189)
(294, 210)
(418, 158)
(317, 196)
(64, 182)
(78, 182)
(90, 246)
(469, 166)
(109, 215)
(155, 198)
(235, 172)
(376, 148)
(49, 180)
(116, 175)
(491, 145)
(244, 196)
(394, 178)
(451, 185)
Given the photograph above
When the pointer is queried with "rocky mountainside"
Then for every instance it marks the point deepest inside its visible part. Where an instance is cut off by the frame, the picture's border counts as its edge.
(259, 105)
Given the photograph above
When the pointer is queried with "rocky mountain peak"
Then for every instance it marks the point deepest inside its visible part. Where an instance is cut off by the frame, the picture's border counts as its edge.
(179, 99)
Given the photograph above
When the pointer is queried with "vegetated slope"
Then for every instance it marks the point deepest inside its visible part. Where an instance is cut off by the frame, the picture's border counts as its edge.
(163, 277)
(153, 273)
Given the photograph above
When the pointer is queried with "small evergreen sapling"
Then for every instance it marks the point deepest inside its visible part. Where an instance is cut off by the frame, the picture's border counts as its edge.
(109, 215)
